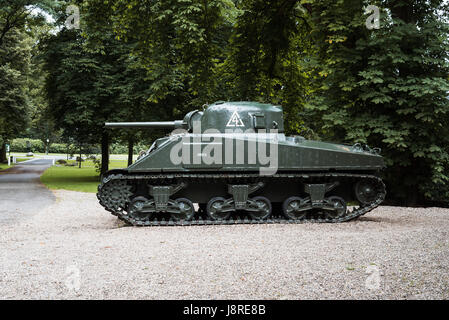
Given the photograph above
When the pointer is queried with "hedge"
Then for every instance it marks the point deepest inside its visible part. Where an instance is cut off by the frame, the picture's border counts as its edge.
(120, 148)
(19, 145)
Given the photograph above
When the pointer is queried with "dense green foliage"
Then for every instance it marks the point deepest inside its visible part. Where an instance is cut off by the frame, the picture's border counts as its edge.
(36, 145)
(146, 60)
(19, 85)
(15, 57)
(387, 87)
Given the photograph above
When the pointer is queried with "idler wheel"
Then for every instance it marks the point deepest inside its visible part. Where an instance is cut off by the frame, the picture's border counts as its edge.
(186, 208)
(295, 208)
(214, 207)
(135, 209)
(365, 192)
(337, 207)
(264, 206)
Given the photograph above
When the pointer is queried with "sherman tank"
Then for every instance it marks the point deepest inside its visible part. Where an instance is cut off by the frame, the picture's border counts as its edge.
(231, 163)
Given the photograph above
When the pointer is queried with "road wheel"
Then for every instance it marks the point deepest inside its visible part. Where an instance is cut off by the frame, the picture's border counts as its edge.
(338, 210)
(213, 209)
(135, 207)
(295, 208)
(264, 206)
(186, 208)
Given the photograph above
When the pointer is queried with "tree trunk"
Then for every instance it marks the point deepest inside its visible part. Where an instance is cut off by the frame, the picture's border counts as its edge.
(104, 152)
(3, 153)
(130, 150)
(412, 198)
(80, 158)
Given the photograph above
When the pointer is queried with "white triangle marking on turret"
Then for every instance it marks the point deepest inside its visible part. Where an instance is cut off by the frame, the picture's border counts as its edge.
(235, 121)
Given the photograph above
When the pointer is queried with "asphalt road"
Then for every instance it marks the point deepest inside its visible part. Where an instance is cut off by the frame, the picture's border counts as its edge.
(21, 193)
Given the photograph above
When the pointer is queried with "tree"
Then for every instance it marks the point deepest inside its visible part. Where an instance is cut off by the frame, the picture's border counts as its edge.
(93, 79)
(15, 56)
(16, 40)
(387, 88)
(179, 43)
(76, 100)
(42, 125)
(265, 57)
(16, 14)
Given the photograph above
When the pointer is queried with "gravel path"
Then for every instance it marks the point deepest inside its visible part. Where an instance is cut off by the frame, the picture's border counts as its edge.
(75, 249)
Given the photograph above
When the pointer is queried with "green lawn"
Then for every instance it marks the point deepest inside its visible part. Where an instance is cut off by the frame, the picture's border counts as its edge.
(85, 179)
(24, 159)
(4, 166)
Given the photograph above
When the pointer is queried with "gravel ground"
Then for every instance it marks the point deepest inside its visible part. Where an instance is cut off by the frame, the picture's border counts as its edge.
(75, 249)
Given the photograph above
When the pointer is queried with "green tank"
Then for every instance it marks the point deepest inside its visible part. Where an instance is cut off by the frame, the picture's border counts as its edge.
(232, 163)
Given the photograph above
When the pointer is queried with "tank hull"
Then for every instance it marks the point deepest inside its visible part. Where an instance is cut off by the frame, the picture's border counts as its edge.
(250, 153)
(306, 176)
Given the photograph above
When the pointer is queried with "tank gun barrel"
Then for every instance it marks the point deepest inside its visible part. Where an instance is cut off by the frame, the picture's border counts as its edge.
(146, 125)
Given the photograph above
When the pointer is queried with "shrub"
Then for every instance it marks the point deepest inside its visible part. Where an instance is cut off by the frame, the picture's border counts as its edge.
(122, 148)
(71, 164)
(20, 145)
(97, 164)
(57, 148)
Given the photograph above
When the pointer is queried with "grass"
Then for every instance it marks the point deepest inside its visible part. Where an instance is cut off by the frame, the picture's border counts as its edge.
(4, 166)
(84, 179)
(24, 159)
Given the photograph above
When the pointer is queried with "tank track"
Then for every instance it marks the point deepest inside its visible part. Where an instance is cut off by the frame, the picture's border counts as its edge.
(107, 201)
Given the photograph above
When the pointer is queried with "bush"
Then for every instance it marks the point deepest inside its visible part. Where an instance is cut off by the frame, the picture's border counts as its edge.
(97, 164)
(122, 148)
(71, 164)
(57, 148)
(20, 145)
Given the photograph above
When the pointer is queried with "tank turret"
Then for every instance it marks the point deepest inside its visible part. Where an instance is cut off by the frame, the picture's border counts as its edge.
(233, 158)
(221, 116)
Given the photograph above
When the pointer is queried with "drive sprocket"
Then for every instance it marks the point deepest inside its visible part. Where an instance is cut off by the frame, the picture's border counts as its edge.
(115, 195)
